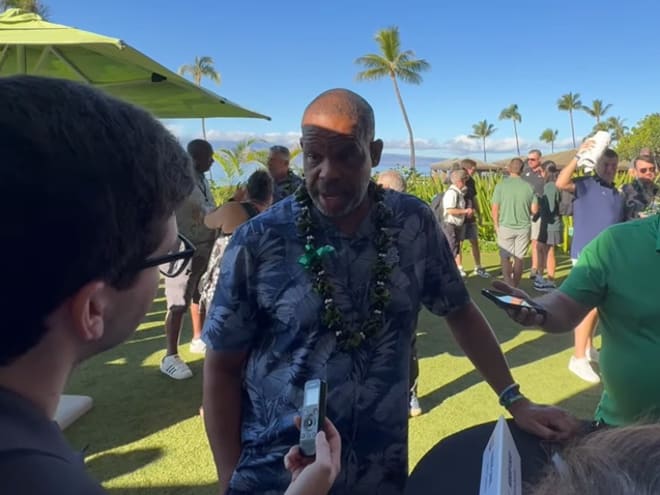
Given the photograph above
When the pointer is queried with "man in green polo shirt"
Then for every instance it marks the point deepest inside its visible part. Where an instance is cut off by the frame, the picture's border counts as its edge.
(607, 277)
(513, 204)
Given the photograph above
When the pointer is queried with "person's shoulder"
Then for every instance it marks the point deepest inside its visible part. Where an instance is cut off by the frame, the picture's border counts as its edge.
(404, 204)
(278, 218)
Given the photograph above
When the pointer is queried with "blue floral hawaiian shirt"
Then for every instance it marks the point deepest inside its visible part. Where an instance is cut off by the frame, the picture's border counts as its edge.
(265, 304)
(286, 187)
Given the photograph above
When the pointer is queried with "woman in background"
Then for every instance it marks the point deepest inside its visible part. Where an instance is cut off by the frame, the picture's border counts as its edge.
(551, 228)
(226, 219)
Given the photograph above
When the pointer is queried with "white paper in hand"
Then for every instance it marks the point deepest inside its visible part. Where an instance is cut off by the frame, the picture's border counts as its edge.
(500, 468)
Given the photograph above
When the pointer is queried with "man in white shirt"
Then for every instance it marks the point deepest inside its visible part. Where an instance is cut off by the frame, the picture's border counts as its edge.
(455, 213)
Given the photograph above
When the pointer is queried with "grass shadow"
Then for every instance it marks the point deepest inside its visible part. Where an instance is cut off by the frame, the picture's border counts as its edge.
(113, 465)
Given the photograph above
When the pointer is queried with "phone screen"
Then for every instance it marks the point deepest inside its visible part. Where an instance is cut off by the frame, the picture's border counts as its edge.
(311, 394)
(514, 301)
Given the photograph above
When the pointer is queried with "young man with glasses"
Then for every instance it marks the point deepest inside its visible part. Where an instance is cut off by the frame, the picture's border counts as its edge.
(107, 178)
(641, 196)
(182, 291)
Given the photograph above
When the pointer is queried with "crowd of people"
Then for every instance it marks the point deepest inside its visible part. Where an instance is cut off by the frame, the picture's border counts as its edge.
(314, 278)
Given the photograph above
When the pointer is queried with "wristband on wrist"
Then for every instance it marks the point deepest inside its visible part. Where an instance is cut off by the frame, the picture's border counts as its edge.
(510, 395)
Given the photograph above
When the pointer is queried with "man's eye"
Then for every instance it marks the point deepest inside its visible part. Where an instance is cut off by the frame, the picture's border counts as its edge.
(312, 157)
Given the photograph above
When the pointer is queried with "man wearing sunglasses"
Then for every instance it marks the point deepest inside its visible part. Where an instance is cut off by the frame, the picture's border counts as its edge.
(286, 182)
(107, 178)
(182, 291)
(641, 196)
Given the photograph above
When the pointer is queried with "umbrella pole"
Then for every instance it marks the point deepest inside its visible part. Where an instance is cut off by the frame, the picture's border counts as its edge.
(21, 62)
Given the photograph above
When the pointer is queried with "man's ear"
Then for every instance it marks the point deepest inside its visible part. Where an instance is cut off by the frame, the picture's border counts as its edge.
(87, 310)
(376, 152)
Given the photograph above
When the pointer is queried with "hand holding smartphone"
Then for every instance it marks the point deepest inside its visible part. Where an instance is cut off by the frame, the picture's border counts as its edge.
(507, 301)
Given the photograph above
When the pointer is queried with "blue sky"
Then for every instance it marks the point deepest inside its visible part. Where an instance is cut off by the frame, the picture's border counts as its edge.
(275, 56)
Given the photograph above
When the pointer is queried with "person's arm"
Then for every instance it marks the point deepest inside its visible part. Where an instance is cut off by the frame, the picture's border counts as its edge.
(565, 179)
(230, 332)
(495, 208)
(215, 219)
(222, 409)
(584, 289)
(534, 208)
(445, 294)
(450, 206)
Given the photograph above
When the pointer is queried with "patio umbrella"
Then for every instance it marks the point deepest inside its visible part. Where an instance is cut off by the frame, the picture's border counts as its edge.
(30, 45)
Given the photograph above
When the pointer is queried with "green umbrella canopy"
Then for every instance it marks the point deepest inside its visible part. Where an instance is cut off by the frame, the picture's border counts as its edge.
(30, 45)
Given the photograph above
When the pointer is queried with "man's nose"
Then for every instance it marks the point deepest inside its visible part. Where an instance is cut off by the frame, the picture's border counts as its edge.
(329, 170)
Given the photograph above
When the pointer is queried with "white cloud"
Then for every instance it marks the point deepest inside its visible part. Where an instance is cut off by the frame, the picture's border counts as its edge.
(290, 138)
(465, 145)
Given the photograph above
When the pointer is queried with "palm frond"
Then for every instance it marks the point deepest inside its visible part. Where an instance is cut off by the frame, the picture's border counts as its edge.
(372, 74)
(389, 42)
(372, 61)
(409, 76)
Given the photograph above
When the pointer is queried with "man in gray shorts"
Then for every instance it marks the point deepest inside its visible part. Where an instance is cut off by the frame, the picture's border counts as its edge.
(514, 202)
(533, 174)
(183, 291)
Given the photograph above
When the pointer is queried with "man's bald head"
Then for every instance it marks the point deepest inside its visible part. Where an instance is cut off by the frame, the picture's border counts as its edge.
(343, 111)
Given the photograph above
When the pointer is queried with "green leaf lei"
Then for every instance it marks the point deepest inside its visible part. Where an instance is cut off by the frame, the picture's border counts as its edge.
(312, 260)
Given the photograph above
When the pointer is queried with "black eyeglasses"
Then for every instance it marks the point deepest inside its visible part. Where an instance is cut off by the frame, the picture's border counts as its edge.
(174, 262)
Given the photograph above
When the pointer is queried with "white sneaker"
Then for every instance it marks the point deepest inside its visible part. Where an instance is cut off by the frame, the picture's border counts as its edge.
(175, 368)
(581, 368)
(462, 272)
(197, 346)
(593, 355)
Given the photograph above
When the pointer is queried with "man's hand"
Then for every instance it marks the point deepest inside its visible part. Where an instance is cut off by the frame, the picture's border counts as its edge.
(550, 423)
(469, 212)
(525, 316)
(240, 194)
(315, 475)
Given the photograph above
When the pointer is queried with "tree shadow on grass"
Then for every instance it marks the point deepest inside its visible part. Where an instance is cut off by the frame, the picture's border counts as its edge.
(114, 465)
(528, 352)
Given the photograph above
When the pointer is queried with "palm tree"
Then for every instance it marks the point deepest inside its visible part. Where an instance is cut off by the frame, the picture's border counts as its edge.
(392, 62)
(482, 130)
(568, 103)
(511, 113)
(232, 159)
(34, 6)
(616, 127)
(597, 110)
(549, 136)
(202, 67)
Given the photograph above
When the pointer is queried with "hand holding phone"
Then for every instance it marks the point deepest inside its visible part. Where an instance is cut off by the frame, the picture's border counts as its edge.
(517, 304)
(312, 415)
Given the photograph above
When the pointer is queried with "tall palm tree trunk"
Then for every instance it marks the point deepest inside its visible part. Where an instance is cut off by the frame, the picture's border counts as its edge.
(405, 118)
(204, 128)
(570, 114)
(484, 148)
(515, 131)
(552, 146)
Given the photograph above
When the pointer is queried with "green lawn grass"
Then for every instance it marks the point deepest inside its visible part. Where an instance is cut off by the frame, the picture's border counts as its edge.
(144, 434)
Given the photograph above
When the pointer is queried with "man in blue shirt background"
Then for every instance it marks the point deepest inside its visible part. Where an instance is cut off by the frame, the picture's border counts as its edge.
(596, 206)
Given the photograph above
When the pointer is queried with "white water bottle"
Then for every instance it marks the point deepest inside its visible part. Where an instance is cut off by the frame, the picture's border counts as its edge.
(588, 158)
